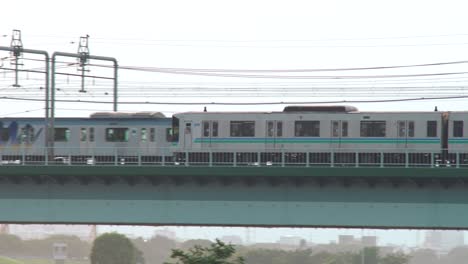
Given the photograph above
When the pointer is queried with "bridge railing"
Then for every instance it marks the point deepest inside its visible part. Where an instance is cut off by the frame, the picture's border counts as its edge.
(259, 158)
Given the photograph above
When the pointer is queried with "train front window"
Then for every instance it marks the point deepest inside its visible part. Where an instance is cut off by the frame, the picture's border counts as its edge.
(117, 134)
(373, 128)
(242, 128)
(307, 128)
(431, 128)
(457, 128)
(61, 134)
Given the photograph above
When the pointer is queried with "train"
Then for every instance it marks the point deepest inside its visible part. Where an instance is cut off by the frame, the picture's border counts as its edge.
(296, 135)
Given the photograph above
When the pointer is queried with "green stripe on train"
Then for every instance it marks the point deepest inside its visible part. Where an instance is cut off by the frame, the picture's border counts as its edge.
(319, 141)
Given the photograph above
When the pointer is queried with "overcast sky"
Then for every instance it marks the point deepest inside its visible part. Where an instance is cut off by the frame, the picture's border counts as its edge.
(271, 35)
(253, 34)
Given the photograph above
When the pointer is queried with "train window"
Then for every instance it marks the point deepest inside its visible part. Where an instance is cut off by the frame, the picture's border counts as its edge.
(431, 128)
(215, 129)
(335, 128)
(457, 128)
(152, 134)
(344, 128)
(410, 128)
(206, 128)
(83, 134)
(61, 134)
(91, 134)
(188, 128)
(279, 128)
(242, 128)
(307, 128)
(336, 131)
(117, 134)
(270, 128)
(4, 134)
(143, 135)
(27, 134)
(405, 128)
(210, 128)
(373, 128)
(172, 134)
(169, 135)
(401, 129)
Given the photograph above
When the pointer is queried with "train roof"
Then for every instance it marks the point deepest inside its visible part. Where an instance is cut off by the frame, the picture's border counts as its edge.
(100, 118)
(321, 108)
(145, 114)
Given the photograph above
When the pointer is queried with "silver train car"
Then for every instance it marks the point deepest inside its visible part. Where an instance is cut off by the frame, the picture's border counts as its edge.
(302, 135)
(103, 137)
(321, 134)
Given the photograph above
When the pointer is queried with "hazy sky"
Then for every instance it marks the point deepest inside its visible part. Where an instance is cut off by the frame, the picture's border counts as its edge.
(273, 35)
(253, 34)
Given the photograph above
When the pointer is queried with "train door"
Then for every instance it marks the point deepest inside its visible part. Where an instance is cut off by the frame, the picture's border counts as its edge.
(405, 130)
(87, 142)
(144, 140)
(338, 130)
(188, 135)
(209, 131)
(274, 130)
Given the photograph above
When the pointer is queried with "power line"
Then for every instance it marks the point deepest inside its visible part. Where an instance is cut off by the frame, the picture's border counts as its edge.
(246, 103)
(162, 69)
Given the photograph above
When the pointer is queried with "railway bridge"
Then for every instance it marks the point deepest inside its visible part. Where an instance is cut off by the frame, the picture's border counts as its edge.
(168, 192)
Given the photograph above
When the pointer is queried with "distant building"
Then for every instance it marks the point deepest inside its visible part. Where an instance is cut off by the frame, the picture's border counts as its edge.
(290, 240)
(443, 241)
(346, 240)
(365, 241)
(84, 232)
(235, 240)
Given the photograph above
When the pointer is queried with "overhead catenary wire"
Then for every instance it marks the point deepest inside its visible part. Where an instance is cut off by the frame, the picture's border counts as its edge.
(243, 103)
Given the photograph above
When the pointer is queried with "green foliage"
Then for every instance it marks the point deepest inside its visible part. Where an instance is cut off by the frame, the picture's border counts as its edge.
(113, 248)
(5, 260)
(216, 253)
(196, 242)
(395, 258)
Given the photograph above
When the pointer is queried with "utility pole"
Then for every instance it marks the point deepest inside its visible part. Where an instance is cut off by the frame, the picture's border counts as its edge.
(17, 50)
(83, 53)
(83, 56)
(17, 46)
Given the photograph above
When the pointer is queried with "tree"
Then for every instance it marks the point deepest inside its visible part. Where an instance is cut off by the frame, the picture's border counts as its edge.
(395, 258)
(216, 253)
(113, 248)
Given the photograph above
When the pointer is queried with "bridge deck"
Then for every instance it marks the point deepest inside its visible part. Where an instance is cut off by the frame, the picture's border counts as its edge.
(240, 196)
